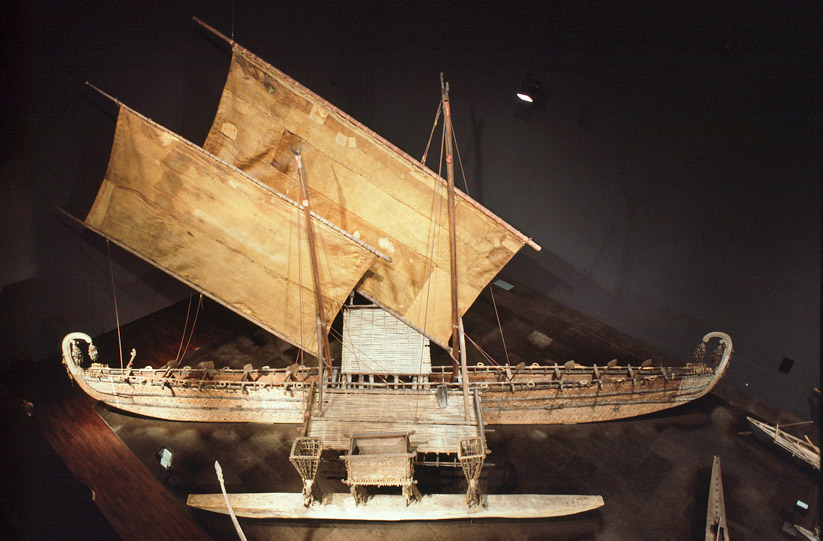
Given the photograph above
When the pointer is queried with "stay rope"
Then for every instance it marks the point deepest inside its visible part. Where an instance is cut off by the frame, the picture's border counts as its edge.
(194, 323)
(434, 230)
(116, 312)
(499, 325)
(431, 135)
(300, 277)
(497, 315)
(185, 326)
(482, 351)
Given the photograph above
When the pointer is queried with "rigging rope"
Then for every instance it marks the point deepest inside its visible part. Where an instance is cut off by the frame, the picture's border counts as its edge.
(482, 351)
(232, 20)
(324, 254)
(460, 161)
(431, 135)
(466, 186)
(183, 337)
(434, 240)
(300, 278)
(197, 313)
(116, 313)
(299, 221)
(499, 325)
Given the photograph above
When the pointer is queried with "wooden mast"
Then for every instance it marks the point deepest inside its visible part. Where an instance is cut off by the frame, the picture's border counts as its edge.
(447, 127)
(323, 349)
(458, 343)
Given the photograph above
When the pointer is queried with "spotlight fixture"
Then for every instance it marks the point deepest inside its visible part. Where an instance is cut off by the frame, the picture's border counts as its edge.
(528, 90)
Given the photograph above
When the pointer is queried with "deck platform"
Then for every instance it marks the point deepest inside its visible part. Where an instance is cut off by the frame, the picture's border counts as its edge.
(433, 429)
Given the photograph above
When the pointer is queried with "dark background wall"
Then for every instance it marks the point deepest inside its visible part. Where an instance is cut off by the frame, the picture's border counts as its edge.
(671, 171)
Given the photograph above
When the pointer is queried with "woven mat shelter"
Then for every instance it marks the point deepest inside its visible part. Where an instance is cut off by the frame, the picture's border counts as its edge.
(376, 342)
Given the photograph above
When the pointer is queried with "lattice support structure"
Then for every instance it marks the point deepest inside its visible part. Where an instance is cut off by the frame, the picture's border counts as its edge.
(472, 455)
(305, 457)
(381, 460)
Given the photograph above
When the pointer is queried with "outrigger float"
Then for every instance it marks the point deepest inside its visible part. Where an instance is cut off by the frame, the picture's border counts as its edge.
(238, 221)
(386, 507)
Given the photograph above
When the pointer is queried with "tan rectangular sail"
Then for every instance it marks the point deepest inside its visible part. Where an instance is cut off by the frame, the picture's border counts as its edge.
(222, 232)
(368, 187)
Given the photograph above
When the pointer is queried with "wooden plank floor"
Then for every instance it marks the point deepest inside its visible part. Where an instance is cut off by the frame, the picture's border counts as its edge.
(434, 429)
(135, 504)
(132, 500)
(36, 484)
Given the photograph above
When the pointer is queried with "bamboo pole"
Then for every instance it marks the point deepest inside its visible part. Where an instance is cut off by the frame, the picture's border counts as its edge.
(323, 348)
(464, 368)
(458, 340)
(444, 88)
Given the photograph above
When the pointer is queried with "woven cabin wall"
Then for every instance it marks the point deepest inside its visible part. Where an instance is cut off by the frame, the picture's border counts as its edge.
(376, 342)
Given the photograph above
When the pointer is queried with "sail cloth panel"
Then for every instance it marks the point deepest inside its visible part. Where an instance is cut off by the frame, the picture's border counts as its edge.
(368, 187)
(214, 227)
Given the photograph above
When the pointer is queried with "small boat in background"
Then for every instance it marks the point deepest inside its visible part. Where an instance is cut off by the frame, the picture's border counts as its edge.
(801, 448)
(716, 511)
(808, 534)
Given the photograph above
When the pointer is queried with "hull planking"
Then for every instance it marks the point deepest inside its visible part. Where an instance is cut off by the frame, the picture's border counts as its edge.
(533, 395)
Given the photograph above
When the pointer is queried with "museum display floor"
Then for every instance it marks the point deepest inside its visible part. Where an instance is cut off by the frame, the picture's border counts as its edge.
(102, 479)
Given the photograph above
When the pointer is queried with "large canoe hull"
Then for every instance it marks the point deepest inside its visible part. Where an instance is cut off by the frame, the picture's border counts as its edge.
(535, 395)
(592, 403)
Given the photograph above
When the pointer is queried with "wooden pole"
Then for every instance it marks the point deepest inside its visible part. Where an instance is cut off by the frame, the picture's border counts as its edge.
(458, 342)
(234, 521)
(323, 349)
(321, 371)
(447, 127)
(464, 369)
(211, 29)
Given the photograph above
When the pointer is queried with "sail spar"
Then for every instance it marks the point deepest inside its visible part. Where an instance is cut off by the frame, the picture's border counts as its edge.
(221, 231)
(366, 186)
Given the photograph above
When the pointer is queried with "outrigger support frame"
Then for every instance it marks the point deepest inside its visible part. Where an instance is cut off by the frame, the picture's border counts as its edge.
(305, 457)
(472, 456)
